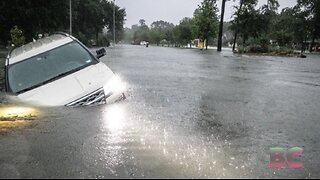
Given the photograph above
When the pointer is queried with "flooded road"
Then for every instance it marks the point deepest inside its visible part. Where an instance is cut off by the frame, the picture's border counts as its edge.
(188, 114)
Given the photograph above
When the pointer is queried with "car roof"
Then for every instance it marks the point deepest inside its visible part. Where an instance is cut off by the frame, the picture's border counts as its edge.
(38, 47)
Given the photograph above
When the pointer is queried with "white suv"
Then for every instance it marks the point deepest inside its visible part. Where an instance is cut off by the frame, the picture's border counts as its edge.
(60, 71)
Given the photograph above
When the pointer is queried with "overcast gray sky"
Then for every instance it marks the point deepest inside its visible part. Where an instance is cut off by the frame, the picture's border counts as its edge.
(174, 10)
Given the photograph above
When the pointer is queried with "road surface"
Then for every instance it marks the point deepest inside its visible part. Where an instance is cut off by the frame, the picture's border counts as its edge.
(189, 114)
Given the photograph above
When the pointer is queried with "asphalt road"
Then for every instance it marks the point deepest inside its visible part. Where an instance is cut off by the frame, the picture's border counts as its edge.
(189, 114)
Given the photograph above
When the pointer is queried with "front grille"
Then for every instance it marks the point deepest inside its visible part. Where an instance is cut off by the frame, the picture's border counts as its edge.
(95, 98)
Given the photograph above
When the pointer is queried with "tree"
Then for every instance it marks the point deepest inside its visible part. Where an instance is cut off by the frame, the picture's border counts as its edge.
(249, 22)
(272, 5)
(239, 19)
(206, 19)
(269, 16)
(283, 28)
(17, 36)
(155, 36)
(184, 31)
(311, 8)
(161, 30)
(302, 28)
(33, 17)
(142, 22)
(138, 33)
(107, 19)
(89, 23)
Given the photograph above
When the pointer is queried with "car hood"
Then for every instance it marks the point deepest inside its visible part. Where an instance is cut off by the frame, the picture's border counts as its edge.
(69, 88)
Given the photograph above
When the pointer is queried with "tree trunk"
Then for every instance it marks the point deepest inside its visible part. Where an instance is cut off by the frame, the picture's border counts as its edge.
(236, 33)
(302, 46)
(312, 42)
(221, 25)
(234, 41)
(206, 42)
(97, 37)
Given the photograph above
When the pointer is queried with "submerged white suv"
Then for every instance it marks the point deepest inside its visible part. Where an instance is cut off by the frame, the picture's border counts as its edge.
(60, 71)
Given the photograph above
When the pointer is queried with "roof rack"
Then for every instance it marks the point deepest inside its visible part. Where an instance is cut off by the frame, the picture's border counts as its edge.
(31, 45)
(62, 33)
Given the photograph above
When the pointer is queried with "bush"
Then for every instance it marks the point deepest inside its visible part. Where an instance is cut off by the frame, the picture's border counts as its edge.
(163, 42)
(255, 49)
(284, 51)
(242, 49)
(17, 36)
(82, 38)
(103, 41)
(259, 45)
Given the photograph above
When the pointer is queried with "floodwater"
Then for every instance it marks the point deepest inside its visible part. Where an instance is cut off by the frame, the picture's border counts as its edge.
(188, 114)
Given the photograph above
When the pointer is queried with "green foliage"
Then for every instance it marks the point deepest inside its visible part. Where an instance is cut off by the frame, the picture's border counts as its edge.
(311, 10)
(185, 31)
(17, 37)
(34, 17)
(103, 41)
(158, 31)
(162, 30)
(206, 19)
(283, 27)
(98, 15)
(289, 29)
(203, 25)
(258, 45)
(163, 42)
(249, 22)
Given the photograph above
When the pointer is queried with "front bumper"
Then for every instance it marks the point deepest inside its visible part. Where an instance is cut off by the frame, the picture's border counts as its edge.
(97, 97)
(111, 92)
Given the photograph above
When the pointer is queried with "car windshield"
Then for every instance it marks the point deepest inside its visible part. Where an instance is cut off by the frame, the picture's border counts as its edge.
(42, 68)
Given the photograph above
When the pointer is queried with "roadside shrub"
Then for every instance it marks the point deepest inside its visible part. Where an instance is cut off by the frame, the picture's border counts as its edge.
(103, 41)
(82, 37)
(17, 36)
(242, 49)
(258, 45)
(284, 51)
(163, 42)
(256, 49)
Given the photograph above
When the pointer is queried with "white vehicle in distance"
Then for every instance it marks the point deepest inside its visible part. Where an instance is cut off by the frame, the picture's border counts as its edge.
(143, 43)
(60, 71)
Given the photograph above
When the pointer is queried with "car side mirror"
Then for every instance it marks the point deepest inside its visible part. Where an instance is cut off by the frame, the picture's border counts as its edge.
(101, 52)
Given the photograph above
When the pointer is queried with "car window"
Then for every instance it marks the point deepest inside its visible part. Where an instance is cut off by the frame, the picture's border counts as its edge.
(46, 66)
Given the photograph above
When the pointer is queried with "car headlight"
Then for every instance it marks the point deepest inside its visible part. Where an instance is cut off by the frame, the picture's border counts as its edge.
(115, 85)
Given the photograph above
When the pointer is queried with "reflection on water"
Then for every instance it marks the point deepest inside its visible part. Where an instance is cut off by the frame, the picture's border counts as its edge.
(115, 118)
(104, 153)
(9, 126)
(131, 145)
(15, 116)
(16, 113)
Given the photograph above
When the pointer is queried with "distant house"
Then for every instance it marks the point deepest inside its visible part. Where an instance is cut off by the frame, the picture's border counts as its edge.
(199, 43)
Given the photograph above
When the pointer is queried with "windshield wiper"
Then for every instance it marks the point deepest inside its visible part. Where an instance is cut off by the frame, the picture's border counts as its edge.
(47, 81)
(52, 79)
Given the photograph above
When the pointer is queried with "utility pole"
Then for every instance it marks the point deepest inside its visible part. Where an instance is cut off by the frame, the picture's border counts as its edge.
(70, 18)
(221, 25)
(114, 23)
